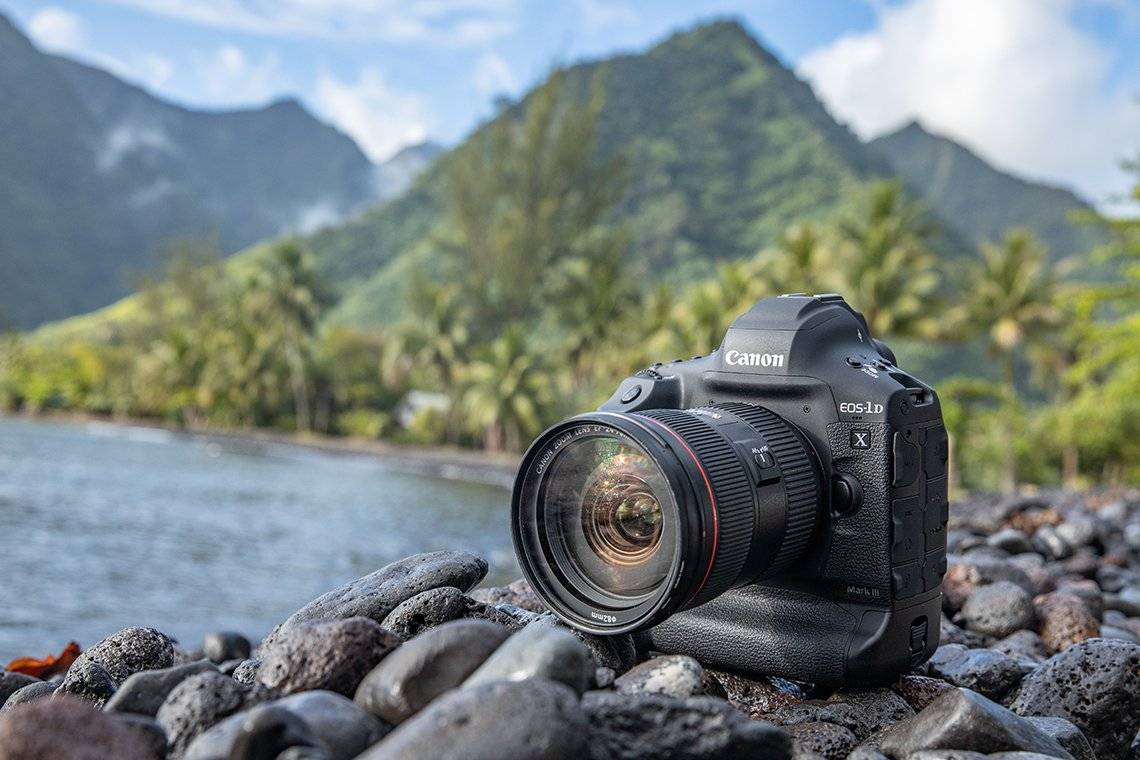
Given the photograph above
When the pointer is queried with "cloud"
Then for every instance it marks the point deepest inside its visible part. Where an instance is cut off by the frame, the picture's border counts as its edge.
(444, 22)
(493, 75)
(230, 76)
(57, 30)
(599, 15)
(1016, 80)
(380, 118)
(133, 137)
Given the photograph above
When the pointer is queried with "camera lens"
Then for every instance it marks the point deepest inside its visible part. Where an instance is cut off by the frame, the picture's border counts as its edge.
(619, 520)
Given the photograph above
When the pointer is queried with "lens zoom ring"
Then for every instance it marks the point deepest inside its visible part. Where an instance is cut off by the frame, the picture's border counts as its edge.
(731, 489)
(801, 479)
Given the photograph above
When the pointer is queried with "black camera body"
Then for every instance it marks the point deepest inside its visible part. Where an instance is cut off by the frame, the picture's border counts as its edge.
(858, 596)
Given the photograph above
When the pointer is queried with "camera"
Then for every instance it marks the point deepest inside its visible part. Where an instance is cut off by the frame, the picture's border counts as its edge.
(777, 507)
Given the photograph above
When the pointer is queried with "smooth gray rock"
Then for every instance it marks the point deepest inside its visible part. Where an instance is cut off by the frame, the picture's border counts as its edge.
(616, 652)
(645, 726)
(266, 732)
(538, 651)
(672, 675)
(1094, 684)
(1048, 543)
(517, 594)
(342, 726)
(89, 681)
(1066, 734)
(145, 691)
(999, 609)
(1011, 540)
(199, 702)
(29, 693)
(130, 650)
(920, 691)
(1077, 530)
(221, 646)
(986, 671)
(422, 669)
(965, 720)
(377, 594)
(536, 719)
(1025, 646)
(11, 682)
(68, 728)
(952, 634)
(147, 730)
(333, 655)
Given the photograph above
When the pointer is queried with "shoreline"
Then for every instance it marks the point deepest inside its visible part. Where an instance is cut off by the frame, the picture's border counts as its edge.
(447, 462)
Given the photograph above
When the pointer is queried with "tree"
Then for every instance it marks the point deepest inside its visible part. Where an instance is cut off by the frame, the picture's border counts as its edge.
(801, 262)
(886, 266)
(506, 393)
(1010, 297)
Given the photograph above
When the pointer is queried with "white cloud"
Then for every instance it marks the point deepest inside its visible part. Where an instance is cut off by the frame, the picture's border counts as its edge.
(57, 30)
(493, 75)
(380, 118)
(599, 15)
(133, 137)
(443, 22)
(1015, 80)
(229, 76)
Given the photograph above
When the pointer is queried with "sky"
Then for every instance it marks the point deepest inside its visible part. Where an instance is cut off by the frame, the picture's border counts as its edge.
(1048, 89)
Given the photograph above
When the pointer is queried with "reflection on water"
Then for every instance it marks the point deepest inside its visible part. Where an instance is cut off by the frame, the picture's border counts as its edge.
(102, 527)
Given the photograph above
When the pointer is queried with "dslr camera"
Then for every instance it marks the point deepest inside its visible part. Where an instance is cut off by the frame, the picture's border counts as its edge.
(777, 507)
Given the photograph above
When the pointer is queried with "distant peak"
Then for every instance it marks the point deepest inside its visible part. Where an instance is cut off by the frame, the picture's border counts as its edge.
(287, 103)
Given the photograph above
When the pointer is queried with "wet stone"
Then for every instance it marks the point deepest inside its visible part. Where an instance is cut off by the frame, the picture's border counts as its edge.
(1066, 734)
(541, 651)
(672, 675)
(432, 663)
(502, 720)
(144, 692)
(985, 671)
(757, 696)
(334, 655)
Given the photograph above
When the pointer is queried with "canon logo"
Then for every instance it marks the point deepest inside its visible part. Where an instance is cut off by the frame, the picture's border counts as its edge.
(742, 359)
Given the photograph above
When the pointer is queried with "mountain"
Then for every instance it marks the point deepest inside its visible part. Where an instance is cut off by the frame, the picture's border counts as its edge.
(100, 176)
(980, 201)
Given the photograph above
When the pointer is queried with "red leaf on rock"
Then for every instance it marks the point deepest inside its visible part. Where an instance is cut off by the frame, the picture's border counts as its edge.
(48, 666)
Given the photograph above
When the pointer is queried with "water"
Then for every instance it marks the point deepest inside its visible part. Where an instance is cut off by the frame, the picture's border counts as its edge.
(103, 527)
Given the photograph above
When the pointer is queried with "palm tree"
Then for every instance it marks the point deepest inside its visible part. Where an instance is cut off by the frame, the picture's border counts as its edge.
(887, 266)
(1010, 297)
(506, 392)
(799, 263)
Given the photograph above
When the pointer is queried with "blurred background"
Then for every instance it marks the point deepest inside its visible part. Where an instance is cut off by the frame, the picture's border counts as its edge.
(285, 286)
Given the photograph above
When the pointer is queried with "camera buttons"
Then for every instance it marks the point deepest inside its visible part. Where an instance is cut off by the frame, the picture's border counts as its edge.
(631, 395)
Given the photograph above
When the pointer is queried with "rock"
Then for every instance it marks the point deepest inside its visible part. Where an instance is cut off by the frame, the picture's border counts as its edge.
(604, 678)
(1088, 592)
(147, 730)
(220, 646)
(89, 681)
(1066, 734)
(333, 655)
(29, 693)
(946, 754)
(342, 726)
(266, 732)
(67, 728)
(144, 692)
(1094, 684)
(1049, 544)
(1011, 540)
(440, 605)
(647, 726)
(1077, 530)
(538, 651)
(377, 594)
(304, 753)
(11, 682)
(999, 609)
(822, 739)
(920, 691)
(129, 651)
(1022, 645)
(964, 575)
(672, 675)
(965, 720)
(1112, 632)
(952, 634)
(518, 617)
(246, 672)
(199, 702)
(502, 720)
(1065, 620)
(757, 696)
(432, 663)
(229, 667)
(986, 671)
(1040, 578)
(816, 711)
(518, 594)
(879, 707)
(866, 752)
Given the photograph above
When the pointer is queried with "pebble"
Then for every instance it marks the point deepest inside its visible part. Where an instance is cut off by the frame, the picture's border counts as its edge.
(29, 693)
(1065, 620)
(145, 691)
(1011, 540)
(518, 594)
(536, 719)
(952, 634)
(672, 675)
(68, 728)
(11, 682)
(1088, 592)
(344, 728)
(1049, 544)
(757, 696)
(427, 666)
(825, 740)
(130, 650)
(333, 655)
(269, 730)
(221, 646)
(538, 651)
(1077, 530)
(1065, 733)
(441, 605)
(985, 671)
(964, 575)
(246, 671)
(1025, 646)
(920, 691)
(375, 595)
(965, 720)
(89, 681)
(199, 702)
(146, 729)
(646, 726)
(999, 609)
(1094, 684)
(880, 707)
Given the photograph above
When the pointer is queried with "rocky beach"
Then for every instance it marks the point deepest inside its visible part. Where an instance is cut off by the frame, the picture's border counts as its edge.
(1040, 657)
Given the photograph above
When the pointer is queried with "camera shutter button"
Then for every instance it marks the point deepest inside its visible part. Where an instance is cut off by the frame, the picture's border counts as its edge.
(631, 395)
